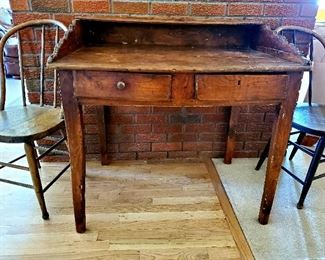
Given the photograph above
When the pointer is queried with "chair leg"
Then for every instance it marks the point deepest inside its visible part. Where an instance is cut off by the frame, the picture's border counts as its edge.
(263, 156)
(33, 168)
(37, 154)
(299, 141)
(311, 172)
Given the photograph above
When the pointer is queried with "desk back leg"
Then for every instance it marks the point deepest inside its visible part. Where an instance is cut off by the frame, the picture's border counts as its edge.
(75, 133)
(102, 120)
(231, 137)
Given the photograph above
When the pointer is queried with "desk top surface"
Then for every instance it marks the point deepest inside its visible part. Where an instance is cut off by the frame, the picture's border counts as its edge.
(173, 59)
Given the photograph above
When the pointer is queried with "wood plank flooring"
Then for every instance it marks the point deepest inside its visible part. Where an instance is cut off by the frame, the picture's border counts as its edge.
(134, 211)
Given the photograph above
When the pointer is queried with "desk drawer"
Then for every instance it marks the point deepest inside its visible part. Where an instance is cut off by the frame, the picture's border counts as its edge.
(241, 87)
(122, 86)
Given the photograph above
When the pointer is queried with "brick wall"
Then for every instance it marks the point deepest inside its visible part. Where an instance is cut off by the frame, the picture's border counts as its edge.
(152, 132)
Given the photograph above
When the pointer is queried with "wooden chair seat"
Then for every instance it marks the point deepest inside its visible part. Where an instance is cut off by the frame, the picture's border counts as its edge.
(310, 119)
(26, 124)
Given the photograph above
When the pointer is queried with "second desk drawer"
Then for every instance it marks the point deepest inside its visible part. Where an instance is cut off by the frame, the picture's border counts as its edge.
(123, 86)
(241, 87)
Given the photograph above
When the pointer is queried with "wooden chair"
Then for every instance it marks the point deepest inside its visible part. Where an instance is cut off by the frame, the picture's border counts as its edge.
(308, 119)
(30, 123)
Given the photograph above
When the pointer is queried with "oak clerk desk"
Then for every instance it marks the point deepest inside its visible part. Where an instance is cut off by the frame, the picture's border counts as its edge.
(121, 61)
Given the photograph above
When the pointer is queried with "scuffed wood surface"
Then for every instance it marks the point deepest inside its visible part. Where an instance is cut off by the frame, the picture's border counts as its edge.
(173, 59)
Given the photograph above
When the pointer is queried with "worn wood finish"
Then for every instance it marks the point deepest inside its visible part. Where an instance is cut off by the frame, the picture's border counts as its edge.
(173, 59)
(75, 133)
(231, 137)
(241, 87)
(123, 86)
(158, 71)
(225, 36)
(280, 136)
(25, 124)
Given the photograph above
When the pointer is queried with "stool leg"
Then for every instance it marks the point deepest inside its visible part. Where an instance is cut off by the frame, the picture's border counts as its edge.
(311, 171)
(33, 168)
(263, 156)
(295, 149)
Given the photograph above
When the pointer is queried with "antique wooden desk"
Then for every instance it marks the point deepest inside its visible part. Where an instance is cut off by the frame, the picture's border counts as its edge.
(169, 62)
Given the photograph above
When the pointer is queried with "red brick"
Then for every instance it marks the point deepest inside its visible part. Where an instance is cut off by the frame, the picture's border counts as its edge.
(88, 6)
(200, 128)
(254, 109)
(135, 129)
(219, 146)
(134, 147)
(64, 18)
(213, 137)
(281, 10)
(24, 17)
(169, 8)
(308, 10)
(121, 138)
(248, 136)
(214, 117)
(208, 9)
(152, 155)
(179, 137)
(253, 146)
(122, 119)
(157, 138)
(49, 5)
(157, 147)
(167, 128)
(91, 129)
(90, 119)
(151, 119)
(131, 110)
(19, 5)
(304, 22)
(130, 7)
(197, 146)
(251, 117)
(245, 9)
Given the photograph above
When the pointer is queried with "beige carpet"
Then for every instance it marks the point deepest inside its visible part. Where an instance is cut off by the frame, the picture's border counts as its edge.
(291, 233)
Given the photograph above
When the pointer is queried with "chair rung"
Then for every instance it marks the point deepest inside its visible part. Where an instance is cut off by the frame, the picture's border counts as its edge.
(20, 167)
(319, 176)
(56, 177)
(304, 149)
(17, 183)
(292, 175)
(13, 160)
(51, 148)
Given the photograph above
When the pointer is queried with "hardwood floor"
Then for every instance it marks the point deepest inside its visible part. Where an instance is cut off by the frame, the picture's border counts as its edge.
(134, 211)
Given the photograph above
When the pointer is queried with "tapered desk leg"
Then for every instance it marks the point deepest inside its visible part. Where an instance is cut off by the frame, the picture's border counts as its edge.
(279, 141)
(230, 146)
(75, 134)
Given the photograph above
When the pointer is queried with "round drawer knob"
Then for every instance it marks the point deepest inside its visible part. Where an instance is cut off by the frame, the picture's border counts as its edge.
(120, 85)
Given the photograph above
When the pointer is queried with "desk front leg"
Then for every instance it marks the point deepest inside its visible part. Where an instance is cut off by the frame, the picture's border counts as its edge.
(74, 127)
(279, 141)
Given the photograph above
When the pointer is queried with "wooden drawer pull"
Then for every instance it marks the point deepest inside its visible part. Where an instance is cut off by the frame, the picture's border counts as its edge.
(120, 85)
